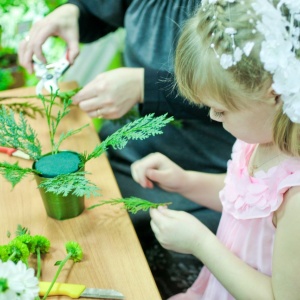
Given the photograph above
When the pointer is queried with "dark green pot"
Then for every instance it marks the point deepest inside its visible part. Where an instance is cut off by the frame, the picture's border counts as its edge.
(50, 165)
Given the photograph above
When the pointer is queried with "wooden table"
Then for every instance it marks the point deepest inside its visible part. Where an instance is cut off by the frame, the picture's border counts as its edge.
(113, 257)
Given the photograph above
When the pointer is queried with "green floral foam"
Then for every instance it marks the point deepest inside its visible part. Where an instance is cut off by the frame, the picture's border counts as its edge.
(52, 165)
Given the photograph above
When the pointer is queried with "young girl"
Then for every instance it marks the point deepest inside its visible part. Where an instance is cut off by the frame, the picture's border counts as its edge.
(241, 59)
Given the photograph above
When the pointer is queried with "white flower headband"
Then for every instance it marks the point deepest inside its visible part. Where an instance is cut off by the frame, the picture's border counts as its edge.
(281, 40)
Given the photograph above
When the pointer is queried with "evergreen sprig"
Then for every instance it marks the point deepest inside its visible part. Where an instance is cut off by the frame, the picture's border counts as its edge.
(132, 204)
(139, 129)
(74, 183)
(27, 109)
(54, 122)
(13, 173)
(19, 135)
(22, 230)
(66, 135)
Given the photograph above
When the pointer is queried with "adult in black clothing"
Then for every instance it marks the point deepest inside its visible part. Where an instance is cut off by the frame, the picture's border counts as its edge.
(152, 28)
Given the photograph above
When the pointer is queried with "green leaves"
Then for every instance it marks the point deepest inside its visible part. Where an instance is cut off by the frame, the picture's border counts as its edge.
(64, 136)
(132, 204)
(74, 183)
(54, 122)
(13, 173)
(27, 109)
(19, 134)
(139, 129)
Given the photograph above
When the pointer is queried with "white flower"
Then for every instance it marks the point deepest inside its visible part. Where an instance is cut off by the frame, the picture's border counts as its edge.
(286, 80)
(237, 55)
(226, 61)
(230, 30)
(275, 54)
(291, 106)
(18, 282)
(293, 5)
(248, 48)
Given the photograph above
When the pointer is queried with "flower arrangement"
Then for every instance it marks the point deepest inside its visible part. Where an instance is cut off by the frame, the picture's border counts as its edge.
(20, 135)
(17, 280)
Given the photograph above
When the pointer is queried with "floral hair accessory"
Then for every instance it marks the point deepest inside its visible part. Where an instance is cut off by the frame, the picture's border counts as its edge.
(278, 50)
(281, 32)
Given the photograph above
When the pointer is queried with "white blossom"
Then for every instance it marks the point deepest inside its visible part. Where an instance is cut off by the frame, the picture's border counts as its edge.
(248, 48)
(21, 284)
(226, 61)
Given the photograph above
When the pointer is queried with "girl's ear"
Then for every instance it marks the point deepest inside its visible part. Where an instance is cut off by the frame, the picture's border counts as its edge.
(273, 96)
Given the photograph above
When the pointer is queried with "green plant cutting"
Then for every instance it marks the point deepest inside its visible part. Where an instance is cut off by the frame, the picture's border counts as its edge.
(17, 280)
(17, 133)
(132, 204)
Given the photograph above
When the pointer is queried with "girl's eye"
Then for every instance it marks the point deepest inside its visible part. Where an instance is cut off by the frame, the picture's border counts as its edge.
(217, 114)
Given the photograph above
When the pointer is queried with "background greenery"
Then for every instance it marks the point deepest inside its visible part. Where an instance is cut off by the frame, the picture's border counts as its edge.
(16, 18)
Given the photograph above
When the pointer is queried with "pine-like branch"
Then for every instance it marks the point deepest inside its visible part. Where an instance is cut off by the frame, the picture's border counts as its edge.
(27, 109)
(139, 129)
(18, 135)
(74, 183)
(132, 204)
(13, 173)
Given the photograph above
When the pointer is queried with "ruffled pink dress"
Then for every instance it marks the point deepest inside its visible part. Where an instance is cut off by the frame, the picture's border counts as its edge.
(246, 226)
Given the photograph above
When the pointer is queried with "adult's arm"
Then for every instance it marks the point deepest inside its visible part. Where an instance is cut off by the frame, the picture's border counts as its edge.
(97, 18)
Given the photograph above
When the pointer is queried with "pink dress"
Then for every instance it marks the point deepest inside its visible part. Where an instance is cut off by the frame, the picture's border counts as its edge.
(246, 226)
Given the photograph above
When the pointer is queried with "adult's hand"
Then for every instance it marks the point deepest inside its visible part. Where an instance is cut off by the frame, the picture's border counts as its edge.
(62, 22)
(112, 94)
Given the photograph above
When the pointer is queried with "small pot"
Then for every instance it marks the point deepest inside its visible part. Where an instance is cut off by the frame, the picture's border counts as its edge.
(51, 165)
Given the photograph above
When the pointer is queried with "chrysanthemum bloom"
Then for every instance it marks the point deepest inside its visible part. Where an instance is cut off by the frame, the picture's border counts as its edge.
(17, 282)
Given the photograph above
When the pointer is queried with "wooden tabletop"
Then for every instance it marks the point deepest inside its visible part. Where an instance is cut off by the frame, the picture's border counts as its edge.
(113, 257)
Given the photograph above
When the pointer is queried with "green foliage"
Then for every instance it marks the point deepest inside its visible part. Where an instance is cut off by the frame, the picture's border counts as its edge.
(6, 5)
(25, 108)
(139, 129)
(132, 204)
(13, 173)
(6, 79)
(65, 135)
(18, 135)
(133, 114)
(54, 122)
(75, 183)
(22, 230)
(52, 4)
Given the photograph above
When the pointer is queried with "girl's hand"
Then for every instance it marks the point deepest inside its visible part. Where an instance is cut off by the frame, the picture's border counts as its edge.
(112, 94)
(159, 169)
(178, 231)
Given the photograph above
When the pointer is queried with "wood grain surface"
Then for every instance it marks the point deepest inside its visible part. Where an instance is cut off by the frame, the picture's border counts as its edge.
(113, 257)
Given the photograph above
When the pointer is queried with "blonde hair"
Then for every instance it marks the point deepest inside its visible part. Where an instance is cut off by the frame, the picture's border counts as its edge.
(200, 76)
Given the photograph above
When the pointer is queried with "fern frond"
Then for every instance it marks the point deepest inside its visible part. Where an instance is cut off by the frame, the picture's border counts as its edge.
(132, 204)
(13, 173)
(19, 135)
(74, 183)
